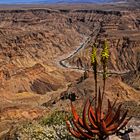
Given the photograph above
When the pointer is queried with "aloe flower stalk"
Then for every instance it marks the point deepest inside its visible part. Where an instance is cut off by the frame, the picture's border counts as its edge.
(104, 60)
(94, 67)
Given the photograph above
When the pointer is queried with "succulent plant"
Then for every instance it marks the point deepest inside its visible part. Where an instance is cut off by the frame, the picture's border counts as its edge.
(95, 122)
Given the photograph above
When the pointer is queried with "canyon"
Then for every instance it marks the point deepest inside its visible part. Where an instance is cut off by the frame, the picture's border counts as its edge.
(45, 50)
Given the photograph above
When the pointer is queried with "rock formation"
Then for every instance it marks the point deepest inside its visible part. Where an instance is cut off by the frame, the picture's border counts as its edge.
(43, 50)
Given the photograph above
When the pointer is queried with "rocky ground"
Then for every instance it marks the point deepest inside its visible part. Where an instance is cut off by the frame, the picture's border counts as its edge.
(35, 39)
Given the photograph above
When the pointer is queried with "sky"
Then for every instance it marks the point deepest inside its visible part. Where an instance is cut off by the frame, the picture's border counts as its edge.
(17, 1)
(38, 1)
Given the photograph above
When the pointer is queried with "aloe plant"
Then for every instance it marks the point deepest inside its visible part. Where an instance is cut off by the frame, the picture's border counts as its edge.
(95, 123)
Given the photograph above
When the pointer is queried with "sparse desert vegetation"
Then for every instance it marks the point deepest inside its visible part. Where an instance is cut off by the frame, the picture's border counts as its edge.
(51, 127)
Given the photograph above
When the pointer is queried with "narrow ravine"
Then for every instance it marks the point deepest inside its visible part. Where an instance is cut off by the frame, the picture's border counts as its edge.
(62, 62)
(82, 46)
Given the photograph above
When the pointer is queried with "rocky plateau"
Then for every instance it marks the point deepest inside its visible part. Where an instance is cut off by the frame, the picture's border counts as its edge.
(45, 58)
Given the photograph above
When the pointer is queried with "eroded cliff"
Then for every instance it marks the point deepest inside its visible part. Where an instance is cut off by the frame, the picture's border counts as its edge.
(33, 42)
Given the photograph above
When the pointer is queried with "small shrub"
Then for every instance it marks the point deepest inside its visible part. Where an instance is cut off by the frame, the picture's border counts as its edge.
(56, 118)
(51, 127)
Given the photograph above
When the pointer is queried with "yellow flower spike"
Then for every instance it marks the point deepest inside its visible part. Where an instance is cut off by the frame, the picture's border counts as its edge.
(105, 52)
(94, 56)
